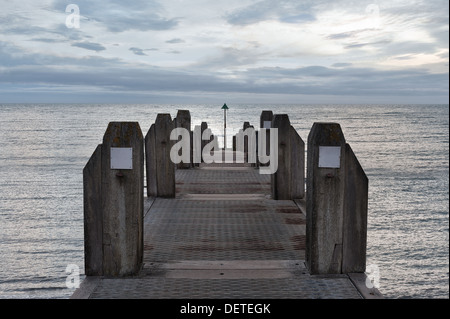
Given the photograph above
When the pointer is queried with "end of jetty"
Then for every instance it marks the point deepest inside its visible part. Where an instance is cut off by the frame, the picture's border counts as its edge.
(218, 218)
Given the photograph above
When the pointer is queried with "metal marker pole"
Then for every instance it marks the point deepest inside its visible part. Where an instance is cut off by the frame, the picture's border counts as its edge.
(224, 108)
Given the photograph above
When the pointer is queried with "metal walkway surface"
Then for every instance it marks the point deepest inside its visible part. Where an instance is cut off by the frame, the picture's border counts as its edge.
(222, 237)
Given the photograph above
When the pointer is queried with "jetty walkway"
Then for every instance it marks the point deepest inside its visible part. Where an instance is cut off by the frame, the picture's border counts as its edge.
(206, 225)
(223, 236)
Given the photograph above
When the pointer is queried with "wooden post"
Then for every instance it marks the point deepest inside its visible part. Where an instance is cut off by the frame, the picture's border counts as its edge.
(122, 186)
(93, 214)
(184, 121)
(203, 143)
(281, 179)
(165, 168)
(150, 160)
(355, 215)
(336, 204)
(196, 143)
(265, 123)
(297, 175)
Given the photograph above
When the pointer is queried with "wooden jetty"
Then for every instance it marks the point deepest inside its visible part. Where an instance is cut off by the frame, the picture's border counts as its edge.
(222, 234)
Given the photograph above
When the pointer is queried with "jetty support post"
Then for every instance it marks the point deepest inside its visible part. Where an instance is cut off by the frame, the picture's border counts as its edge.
(165, 168)
(336, 204)
(203, 128)
(288, 180)
(183, 120)
(113, 182)
(265, 119)
(159, 166)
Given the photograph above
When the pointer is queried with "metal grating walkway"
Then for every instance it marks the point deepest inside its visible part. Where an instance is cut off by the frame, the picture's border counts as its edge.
(223, 237)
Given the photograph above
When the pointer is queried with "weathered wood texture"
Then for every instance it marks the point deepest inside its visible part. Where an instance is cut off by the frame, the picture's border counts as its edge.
(336, 204)
(183, 120)
(355, 215)
(122, 202)
(93, 214)
(288, 182)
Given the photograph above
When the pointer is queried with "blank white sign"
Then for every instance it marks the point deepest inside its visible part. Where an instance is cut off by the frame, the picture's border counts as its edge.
(329, 156)
(121, 158)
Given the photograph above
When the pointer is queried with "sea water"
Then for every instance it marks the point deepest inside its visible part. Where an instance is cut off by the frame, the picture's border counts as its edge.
(404, 150)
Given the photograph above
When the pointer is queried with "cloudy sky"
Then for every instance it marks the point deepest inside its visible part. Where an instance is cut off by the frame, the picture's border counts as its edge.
(285, 51)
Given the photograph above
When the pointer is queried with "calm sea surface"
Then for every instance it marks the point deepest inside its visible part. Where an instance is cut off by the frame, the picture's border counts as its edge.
(404, 150)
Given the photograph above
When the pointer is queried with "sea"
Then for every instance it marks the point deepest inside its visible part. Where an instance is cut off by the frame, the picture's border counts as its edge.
(404, 150)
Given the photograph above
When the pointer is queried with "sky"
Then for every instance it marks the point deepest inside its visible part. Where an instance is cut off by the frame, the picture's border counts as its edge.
(238, 51)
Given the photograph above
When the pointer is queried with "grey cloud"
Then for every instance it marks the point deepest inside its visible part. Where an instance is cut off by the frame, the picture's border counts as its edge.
(360, 45)
(46, 40)
(137, 51)
(288, 11)
(141, 23)
(341, 65)
(176, 40)
(13, 56)
(444, 55)
(251, 14)
(298, 18)
(229, 57)
(45, 71)
(409, 47)
(119, 16)
(405, 57)
(342, 35)
(306, 80)
(89, 46)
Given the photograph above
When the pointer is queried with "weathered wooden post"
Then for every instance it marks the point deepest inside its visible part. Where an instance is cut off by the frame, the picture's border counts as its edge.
(336, 204)
(196, 143)
(150, 162)
(159, 166)
(355, 215)
(281, 179)
(165, 168)
(265, 118)
(184, 121)
(123, 198)
(114, 202)
(245, 145)
(245, 136)
(297, 165)
(203, 127)
(288, 181)
(93, 214)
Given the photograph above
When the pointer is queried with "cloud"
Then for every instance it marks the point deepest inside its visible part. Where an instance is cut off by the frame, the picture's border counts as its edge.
(298, 18)
(342, 35)
(360, 45)
(89, 46)
(176, 40)
(103, 75)
(118, 16)
(287, 11)
(137, 51)
(46, 40)
(341, 65)
(248, 47)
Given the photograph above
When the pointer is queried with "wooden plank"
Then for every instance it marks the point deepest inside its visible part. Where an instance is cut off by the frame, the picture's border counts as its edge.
(86, 288)
(359, 280)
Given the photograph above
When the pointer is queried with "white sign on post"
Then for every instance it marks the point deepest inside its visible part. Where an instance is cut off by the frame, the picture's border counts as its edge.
(329, 156)
(121, 158)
